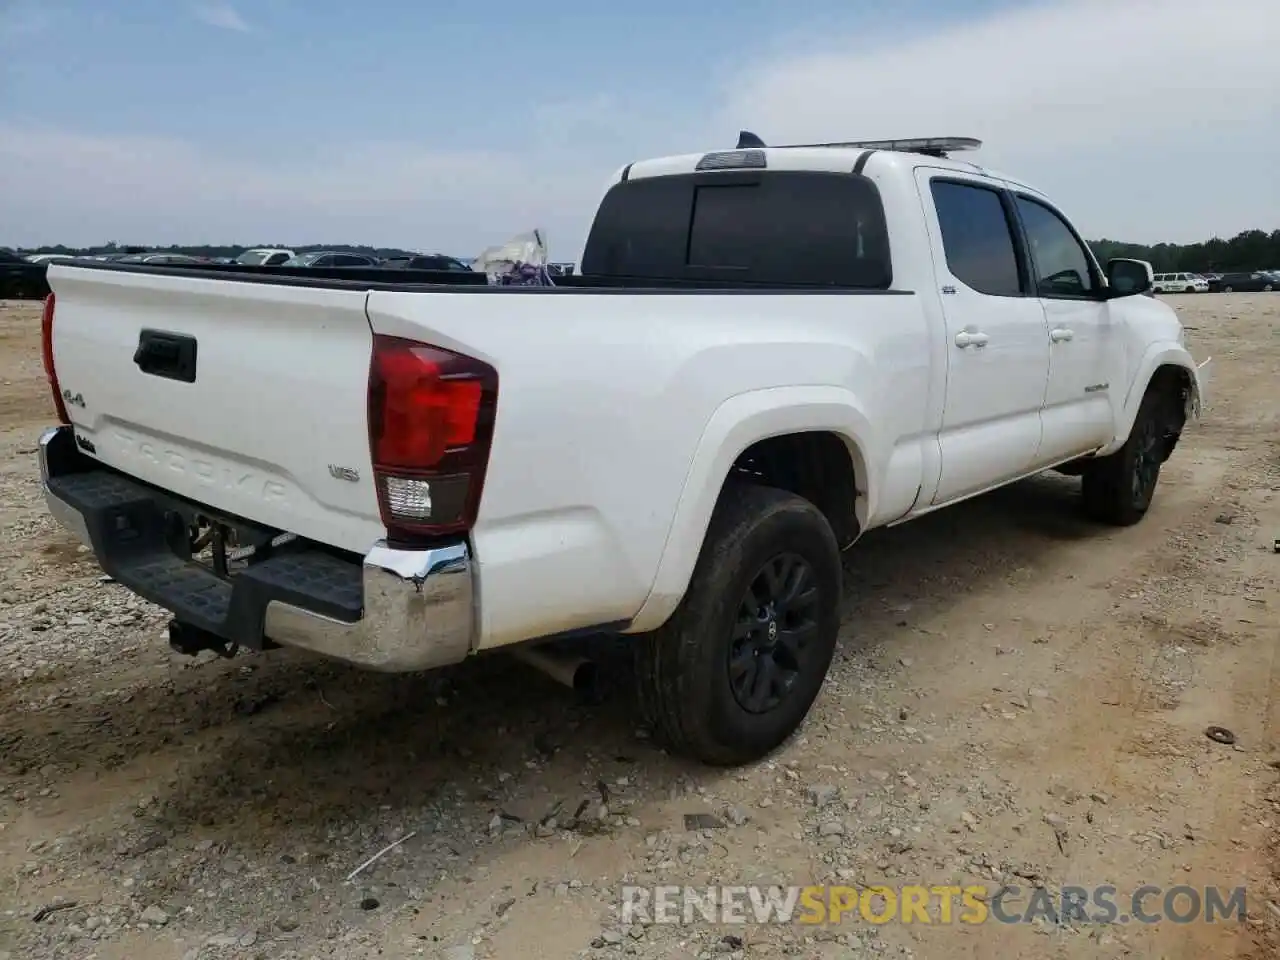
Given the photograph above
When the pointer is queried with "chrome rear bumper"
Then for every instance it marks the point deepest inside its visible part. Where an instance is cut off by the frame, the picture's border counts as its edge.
(394, 610)
(418, 613)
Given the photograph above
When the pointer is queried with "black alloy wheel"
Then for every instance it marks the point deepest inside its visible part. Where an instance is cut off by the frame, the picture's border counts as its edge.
(777, 619)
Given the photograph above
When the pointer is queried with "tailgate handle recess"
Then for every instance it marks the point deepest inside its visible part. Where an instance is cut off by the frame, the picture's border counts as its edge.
(168, 355)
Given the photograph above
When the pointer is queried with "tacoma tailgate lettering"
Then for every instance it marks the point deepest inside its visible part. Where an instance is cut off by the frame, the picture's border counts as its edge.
(209, 473)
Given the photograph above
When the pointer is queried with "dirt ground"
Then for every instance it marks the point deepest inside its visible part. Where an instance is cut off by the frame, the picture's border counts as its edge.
(1021, 699)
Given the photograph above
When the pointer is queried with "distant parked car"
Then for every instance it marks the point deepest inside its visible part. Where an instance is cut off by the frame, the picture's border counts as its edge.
(1180, 283)
(326, 258)
(264, 257)
(47, 257)
(164, 259)
(21, 279)
(1250, 282)
(432, 261)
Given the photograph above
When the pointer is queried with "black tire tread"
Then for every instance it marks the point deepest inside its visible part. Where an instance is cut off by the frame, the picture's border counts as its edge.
(1105, 484)
(667, 690)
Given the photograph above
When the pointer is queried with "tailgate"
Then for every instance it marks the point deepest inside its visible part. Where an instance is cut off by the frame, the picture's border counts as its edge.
(247, 397)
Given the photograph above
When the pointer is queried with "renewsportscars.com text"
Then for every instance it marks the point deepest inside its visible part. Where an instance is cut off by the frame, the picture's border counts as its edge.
(936, 904)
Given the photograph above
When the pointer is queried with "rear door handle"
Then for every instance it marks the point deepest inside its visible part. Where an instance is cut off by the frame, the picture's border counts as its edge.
(970, 338)
(1060, 334)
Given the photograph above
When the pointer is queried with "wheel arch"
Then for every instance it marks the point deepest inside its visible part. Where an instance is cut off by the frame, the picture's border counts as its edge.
(1164, 366)
(813, 441)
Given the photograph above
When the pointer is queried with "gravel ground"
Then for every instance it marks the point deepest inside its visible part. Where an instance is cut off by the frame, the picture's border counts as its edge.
(1020, 698)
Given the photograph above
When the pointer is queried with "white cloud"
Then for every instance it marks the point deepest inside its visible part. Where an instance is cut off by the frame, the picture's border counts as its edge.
(1156, 119)
(221, 14)
(1148, 120)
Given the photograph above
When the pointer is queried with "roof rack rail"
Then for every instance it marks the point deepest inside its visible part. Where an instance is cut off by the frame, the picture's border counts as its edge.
(929, 146)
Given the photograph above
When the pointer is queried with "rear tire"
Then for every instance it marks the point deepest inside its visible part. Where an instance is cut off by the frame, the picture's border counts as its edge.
(735, 670)
(1118, 489)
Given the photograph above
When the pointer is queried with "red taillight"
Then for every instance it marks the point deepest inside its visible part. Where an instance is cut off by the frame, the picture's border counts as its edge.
(430, 425)
(46, 350)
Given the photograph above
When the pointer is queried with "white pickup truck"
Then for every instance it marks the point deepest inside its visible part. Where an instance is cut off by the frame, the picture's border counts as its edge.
(769, 352)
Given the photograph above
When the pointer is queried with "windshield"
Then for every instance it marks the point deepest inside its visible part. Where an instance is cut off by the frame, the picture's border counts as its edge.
(252, 258)
(305, 260)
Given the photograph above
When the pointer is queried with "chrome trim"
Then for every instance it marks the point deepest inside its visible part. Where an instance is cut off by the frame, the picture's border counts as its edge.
(60, 510)
(67, 515)
(47, 438)
(419, 605)
(419, 613)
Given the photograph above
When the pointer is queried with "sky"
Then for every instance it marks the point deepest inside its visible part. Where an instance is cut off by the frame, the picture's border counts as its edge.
(443, 127)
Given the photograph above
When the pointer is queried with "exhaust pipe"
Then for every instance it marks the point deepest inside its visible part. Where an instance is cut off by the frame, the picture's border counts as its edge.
(580, 675)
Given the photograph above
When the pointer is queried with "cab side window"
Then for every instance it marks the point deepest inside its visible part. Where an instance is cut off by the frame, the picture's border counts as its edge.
(977, 238)
(1062, 267)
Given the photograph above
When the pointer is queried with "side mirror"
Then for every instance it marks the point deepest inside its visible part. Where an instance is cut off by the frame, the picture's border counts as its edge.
(1128, 278)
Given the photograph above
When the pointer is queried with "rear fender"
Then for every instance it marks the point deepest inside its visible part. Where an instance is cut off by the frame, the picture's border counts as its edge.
(736, 424)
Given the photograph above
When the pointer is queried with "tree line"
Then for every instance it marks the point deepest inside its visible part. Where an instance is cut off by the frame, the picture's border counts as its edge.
(1250, 250)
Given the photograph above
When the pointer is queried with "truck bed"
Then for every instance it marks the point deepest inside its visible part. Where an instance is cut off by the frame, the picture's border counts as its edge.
(275, 429)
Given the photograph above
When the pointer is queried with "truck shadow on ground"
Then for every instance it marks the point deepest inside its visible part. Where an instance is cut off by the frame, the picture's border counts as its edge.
(303, 744)
(310, 741)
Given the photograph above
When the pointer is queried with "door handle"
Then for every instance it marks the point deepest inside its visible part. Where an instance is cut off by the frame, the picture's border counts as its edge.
(169, 355)
(968, 338)
(1060, 334)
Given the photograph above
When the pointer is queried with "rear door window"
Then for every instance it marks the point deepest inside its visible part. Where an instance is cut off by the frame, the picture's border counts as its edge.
(977, 237)
(784, 228)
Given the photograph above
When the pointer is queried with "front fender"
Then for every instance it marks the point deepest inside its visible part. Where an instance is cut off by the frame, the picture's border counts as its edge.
(735, 425)
(1158, 355)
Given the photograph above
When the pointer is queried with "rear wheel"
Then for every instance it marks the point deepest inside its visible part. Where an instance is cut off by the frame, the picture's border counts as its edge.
(736, 669)
(1267, 287)
(1119, 488)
